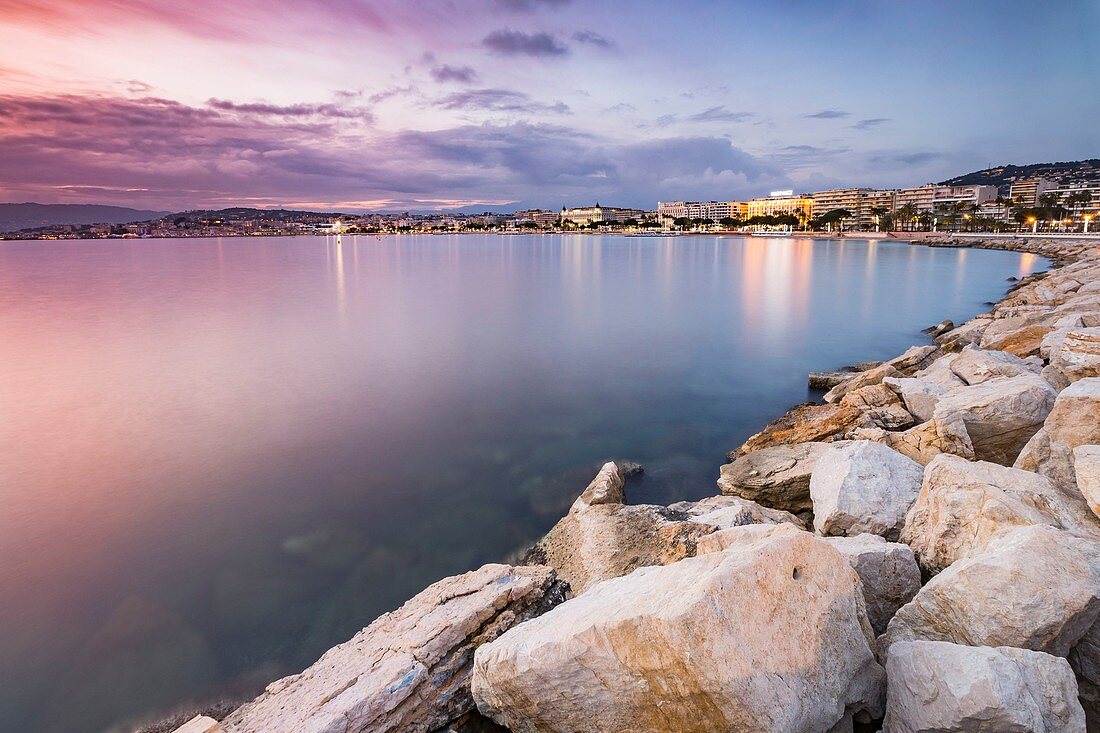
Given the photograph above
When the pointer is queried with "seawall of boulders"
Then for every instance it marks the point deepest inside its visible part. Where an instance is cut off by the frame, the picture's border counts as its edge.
(920, 553)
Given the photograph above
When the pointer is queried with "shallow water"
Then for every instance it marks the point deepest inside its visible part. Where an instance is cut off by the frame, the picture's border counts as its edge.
(220, 457)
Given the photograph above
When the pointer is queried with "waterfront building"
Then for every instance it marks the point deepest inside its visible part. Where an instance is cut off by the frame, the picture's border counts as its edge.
(946, 198)
(541, 217)
(919, 197)
(1080, 199)
(669, 211)
(1028, 191)
(583, 215)
(780, 203)
(854, 200)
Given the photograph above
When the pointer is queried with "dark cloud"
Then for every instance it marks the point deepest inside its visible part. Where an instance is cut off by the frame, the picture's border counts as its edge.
(869, 123)
(499, 100)
(159, 153)
(917, 157)
(828, 114)
(592, 38)
(292, 110)
(448, 73)
(719, 114)
(517, 43)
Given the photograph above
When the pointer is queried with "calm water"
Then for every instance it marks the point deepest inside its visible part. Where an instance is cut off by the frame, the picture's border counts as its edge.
(220, 457)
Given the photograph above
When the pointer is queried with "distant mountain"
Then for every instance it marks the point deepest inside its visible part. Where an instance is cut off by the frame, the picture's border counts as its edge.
(14, 217)
(1005, 175)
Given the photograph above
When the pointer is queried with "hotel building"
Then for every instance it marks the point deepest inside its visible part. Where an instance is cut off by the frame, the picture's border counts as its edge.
(583, 215)
(779, 203)
(669, 211)
(1028, 191)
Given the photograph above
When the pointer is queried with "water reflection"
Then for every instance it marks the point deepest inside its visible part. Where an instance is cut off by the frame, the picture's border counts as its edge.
(217, 458)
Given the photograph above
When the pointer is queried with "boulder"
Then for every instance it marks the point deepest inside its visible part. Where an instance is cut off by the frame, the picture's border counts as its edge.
(1085, 660)
(920, 396)
(1034, 587)
(861, 379)
(1086, 467)
(863, 486)
(602, 538)
(1078, 354)
(921, 442)
(939, 372)
(778, 476)
(935, 686)
(968, 333)
(888, 571)
(963, 504)
(199, 724)
(1071, 423)
(880, 406)
(409, 670)
(915, 357)
(808, 423)
(975, 366)
(769, 634)
(993, 420)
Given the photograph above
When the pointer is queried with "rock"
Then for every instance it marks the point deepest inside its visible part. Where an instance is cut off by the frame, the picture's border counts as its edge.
(726, 512)
(778, 476)
(1071, 423)
(1078, 354)
(808, 423)
(915, 358)
(922, 442)
(606, 488)
(937, 686)
(940, 328)
(880, 405)
(863, 487)
(599, 539)
(1023, 341)
(975, 366)
(920, 396)
(939, 372)
(828, 380)
(199, 724)
(1086, 468)
(862, 379)
(993, 420)
(409, 670)
(1085, 660)
(969, 333)
(888, 571)
(1008, 595)
(963, 504)
(725, 641)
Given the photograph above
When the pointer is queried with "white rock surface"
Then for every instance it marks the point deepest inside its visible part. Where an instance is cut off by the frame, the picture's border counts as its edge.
(861, 379)
(408, 671)
(974, 365)
(963, 504)
(888, 571)
(1071, 423)
(993, 420)
(863, 486)
(936, 686)
(1086, 466)
(199, 724)
(769, 634)
(920, 396)
(1034, 587)
(777, 476)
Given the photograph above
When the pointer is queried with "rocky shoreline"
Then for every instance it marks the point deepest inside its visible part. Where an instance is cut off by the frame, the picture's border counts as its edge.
(920, 552)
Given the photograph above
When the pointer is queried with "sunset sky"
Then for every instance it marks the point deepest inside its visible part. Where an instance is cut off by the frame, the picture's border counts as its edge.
(501, 104)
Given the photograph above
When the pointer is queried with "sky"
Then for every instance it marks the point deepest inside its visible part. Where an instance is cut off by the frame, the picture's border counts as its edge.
(476, 105)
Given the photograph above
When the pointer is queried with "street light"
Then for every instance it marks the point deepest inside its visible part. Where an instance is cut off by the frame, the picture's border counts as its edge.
(1088, 218)
(1034, 224)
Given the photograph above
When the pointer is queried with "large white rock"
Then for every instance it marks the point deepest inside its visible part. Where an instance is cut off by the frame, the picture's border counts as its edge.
(1086, 467)
(602, 538)
(1034, 587)
(962, 504)
(863, 486)
(975, 366)
(888, 571)
(769, 634)
(993, 420)
(920, 396)
(408, 671)
(1074, 421)
(199, 724)
(777, 476)
(934, 686)
(861, 379)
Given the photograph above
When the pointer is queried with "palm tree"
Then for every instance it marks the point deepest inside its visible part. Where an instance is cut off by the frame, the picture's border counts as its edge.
(907, 213)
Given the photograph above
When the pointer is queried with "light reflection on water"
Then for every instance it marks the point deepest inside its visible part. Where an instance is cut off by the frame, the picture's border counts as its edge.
(219, 457)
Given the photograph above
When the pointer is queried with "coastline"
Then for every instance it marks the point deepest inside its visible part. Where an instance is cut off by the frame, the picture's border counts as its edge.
(602, 537)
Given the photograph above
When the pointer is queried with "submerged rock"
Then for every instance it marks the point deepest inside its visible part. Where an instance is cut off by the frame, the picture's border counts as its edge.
(862, 487)
(937, 686)
(725, 641)
(409, 670)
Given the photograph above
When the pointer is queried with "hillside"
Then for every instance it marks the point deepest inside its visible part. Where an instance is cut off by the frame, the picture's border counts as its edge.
(14, 217)
(1005, 175)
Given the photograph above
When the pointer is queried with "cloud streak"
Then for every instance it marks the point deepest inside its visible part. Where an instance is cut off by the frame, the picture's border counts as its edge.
(828, 114)
(507, 42)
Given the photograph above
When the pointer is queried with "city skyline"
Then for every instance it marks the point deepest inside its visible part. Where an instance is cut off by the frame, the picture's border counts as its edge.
(526, 103)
